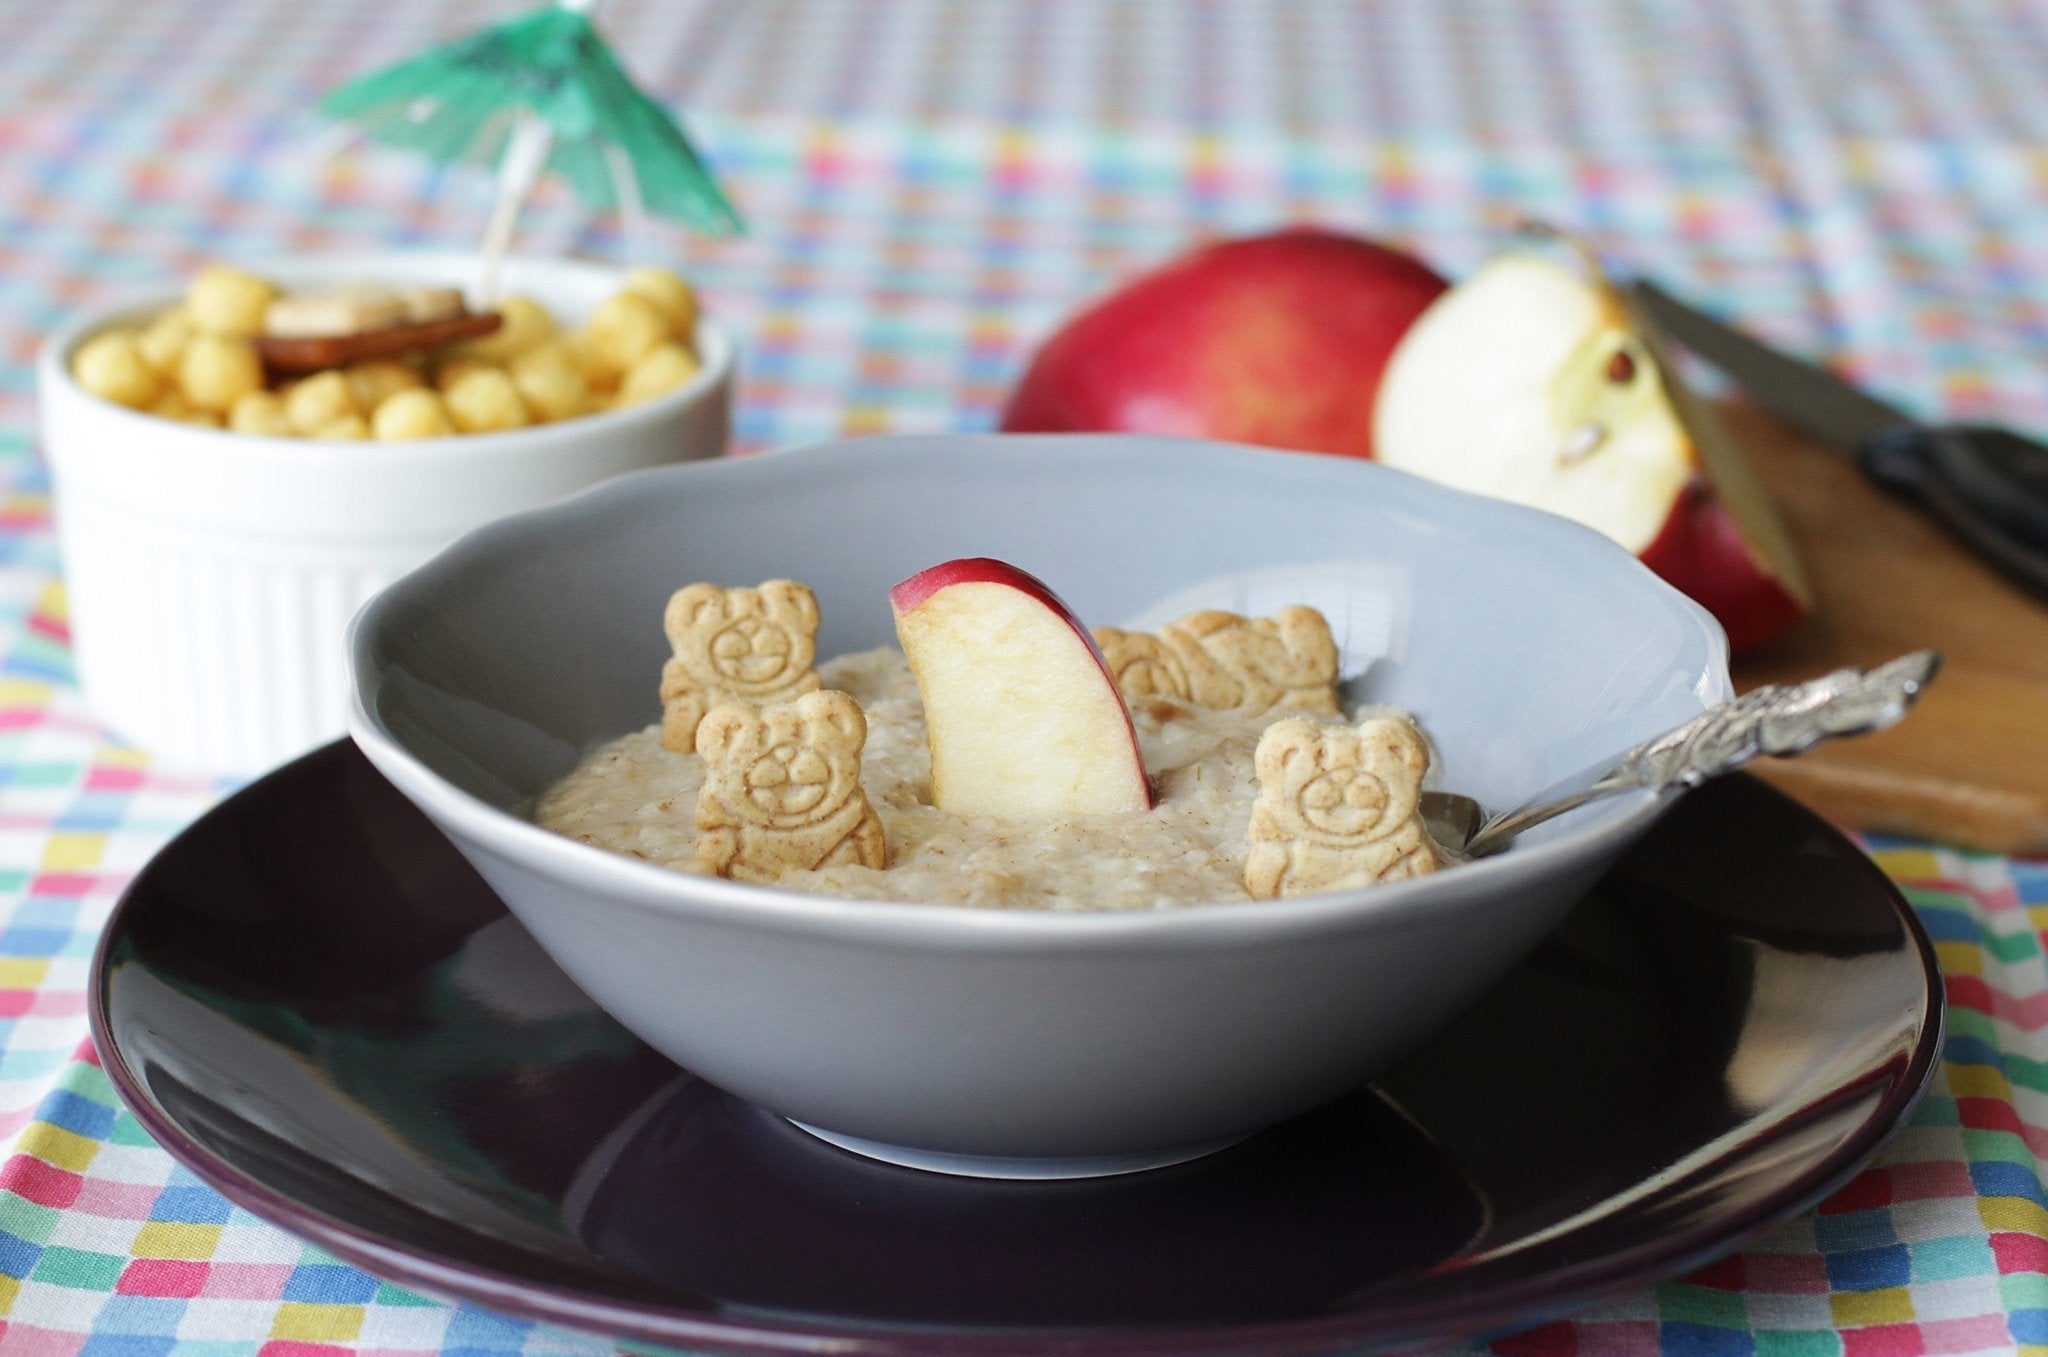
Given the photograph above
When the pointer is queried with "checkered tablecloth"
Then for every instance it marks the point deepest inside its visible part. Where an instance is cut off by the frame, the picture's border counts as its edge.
(931, 184)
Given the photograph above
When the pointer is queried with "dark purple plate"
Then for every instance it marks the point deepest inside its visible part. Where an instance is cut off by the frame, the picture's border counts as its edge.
(312, 1002)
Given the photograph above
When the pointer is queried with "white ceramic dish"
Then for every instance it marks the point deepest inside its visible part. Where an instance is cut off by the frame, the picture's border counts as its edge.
(1019, 1042)
(211, 575)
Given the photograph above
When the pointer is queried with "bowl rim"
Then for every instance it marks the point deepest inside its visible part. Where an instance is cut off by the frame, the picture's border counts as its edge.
(663, 890)
(716, 344)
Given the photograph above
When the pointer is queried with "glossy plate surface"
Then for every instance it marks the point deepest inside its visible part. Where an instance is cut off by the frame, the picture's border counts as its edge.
(315, 1004)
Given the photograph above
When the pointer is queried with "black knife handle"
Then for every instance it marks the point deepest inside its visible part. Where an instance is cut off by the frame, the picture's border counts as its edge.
(1988, 486)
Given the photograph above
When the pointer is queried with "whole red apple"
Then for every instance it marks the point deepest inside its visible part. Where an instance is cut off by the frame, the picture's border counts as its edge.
(1277, 340)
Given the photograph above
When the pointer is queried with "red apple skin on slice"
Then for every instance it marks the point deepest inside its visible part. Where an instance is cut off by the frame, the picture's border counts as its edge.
(1726, 547)
(1022, 716)
(1277, 340)
(1702, 553)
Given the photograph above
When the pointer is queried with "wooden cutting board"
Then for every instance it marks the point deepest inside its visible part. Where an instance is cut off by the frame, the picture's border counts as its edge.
(1969, 765)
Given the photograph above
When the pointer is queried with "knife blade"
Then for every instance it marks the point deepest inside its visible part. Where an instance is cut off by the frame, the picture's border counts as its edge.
(1987, 485)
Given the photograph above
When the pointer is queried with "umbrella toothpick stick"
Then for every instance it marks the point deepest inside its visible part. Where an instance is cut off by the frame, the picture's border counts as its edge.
(632, 213)
(527, 152)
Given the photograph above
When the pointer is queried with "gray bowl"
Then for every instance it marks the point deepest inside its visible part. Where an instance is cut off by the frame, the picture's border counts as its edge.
(1014, 1042)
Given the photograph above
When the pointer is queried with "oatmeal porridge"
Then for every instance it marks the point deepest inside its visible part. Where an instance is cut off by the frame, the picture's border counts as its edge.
(636, 797)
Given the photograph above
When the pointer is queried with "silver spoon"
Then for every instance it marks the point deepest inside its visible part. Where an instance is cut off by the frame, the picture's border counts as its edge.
(1780, 719)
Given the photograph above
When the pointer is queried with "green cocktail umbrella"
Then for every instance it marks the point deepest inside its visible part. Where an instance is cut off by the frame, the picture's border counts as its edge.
(540, 92)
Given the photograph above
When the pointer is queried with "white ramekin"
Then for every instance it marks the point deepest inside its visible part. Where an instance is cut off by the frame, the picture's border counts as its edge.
(211, 575)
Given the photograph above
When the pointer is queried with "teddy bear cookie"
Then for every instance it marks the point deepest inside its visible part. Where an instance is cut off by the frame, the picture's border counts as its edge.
(734, 645)
(1338, 806)
(782, 789)
(1225, 662)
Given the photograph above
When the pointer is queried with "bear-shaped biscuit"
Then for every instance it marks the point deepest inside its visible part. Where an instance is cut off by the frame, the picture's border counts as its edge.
(734, 645)
(782, 789)
(1337, 807)
(1226, 662)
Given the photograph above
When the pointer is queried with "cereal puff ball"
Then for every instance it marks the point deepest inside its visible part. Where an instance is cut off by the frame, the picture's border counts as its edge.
(260, 412)
(522, 323)
(676, 298)
(217, 370)
(625, 328)
(227, 301)
(114, 367)
(416, 412)
(316, 402)
(164, 339)
(552, 381)
(485, 400)
(662, 368)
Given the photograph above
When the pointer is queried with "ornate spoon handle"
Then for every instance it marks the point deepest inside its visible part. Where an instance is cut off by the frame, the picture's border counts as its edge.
(1779, 719)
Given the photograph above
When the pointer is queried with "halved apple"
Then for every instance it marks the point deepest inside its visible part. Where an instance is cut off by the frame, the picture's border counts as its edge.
(1533, 381)
(1022, 716)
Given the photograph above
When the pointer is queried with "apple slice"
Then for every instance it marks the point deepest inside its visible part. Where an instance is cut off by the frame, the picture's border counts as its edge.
(1023, 718)
(1534, 382)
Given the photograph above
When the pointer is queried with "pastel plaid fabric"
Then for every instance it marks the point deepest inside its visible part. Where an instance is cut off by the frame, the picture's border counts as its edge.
(931, 184)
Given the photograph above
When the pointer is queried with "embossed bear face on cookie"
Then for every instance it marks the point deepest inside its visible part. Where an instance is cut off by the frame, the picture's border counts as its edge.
(1344, 782)
(787, 765)
(1227, 662)
(744, 641)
